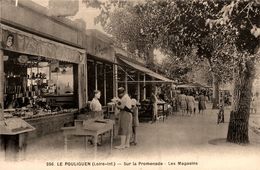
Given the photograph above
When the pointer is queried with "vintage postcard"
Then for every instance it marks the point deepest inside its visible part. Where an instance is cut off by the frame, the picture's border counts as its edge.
(129, 84)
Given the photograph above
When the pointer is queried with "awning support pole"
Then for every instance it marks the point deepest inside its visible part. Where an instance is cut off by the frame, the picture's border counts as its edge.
(1, 85)
(105, 84)
(115, 81)
(96, 81)
(144, 97)
(126, 87)
(138, 87)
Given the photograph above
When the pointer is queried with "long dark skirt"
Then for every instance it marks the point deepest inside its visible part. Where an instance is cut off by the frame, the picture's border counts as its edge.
(202, 105)
(125, 123)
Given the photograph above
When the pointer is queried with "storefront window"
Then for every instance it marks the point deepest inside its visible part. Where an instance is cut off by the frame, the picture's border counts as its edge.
(32, 81)
(63, 78)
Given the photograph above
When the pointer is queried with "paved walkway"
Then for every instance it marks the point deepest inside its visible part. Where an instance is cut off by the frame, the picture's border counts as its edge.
(189, 139)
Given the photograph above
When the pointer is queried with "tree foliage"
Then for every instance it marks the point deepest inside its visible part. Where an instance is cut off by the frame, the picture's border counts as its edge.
(222, 32)
(239, 21)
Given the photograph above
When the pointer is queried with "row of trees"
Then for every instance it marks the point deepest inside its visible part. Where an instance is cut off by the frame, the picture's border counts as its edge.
(223, 33)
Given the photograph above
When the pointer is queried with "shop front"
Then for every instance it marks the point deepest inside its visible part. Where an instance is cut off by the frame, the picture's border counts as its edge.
(140, 81)
(100, 66)
(132, 80)
(42, 74)
(41, 80)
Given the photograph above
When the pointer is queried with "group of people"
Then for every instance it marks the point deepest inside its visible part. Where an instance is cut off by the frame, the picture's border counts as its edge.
(127, 113)
(188, 104)
(127, 110)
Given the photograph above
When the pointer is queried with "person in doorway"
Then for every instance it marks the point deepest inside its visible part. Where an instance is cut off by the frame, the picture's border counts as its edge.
(154, 103)
(125, 118)
(96, 112)
(135, 123)
(95, 106)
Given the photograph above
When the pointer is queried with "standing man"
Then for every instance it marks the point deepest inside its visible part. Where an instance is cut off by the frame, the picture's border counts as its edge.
(125, 118)
(154, 102)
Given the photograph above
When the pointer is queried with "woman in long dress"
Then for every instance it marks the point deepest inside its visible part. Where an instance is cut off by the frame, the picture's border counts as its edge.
(183, 103)
(190, 104)
(202, 103)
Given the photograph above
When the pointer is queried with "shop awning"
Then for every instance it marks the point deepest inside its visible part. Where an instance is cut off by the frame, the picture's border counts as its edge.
(32, 44)
(146, 71)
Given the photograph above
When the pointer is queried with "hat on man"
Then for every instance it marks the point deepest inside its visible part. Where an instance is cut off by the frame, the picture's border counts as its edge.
(121, 90)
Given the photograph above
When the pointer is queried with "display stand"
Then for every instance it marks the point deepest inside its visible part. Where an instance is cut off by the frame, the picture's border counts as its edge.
(13, 138)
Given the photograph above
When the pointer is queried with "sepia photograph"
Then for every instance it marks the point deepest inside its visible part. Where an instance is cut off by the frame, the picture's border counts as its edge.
(130, 84)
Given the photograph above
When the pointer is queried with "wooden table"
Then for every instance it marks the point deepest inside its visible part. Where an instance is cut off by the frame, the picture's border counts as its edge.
(47, 124)
(89, 128)
(13, 138)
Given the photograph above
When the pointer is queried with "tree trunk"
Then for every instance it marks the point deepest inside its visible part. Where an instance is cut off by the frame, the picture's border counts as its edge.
(215, 99)
(216, 83)
(239, 116)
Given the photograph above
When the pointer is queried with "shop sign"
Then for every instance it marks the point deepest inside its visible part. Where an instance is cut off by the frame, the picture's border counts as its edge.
(30, 44)
(9, 40)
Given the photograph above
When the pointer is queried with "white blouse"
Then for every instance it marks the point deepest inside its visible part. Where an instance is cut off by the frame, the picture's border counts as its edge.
(125, 101)
(95, 105)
